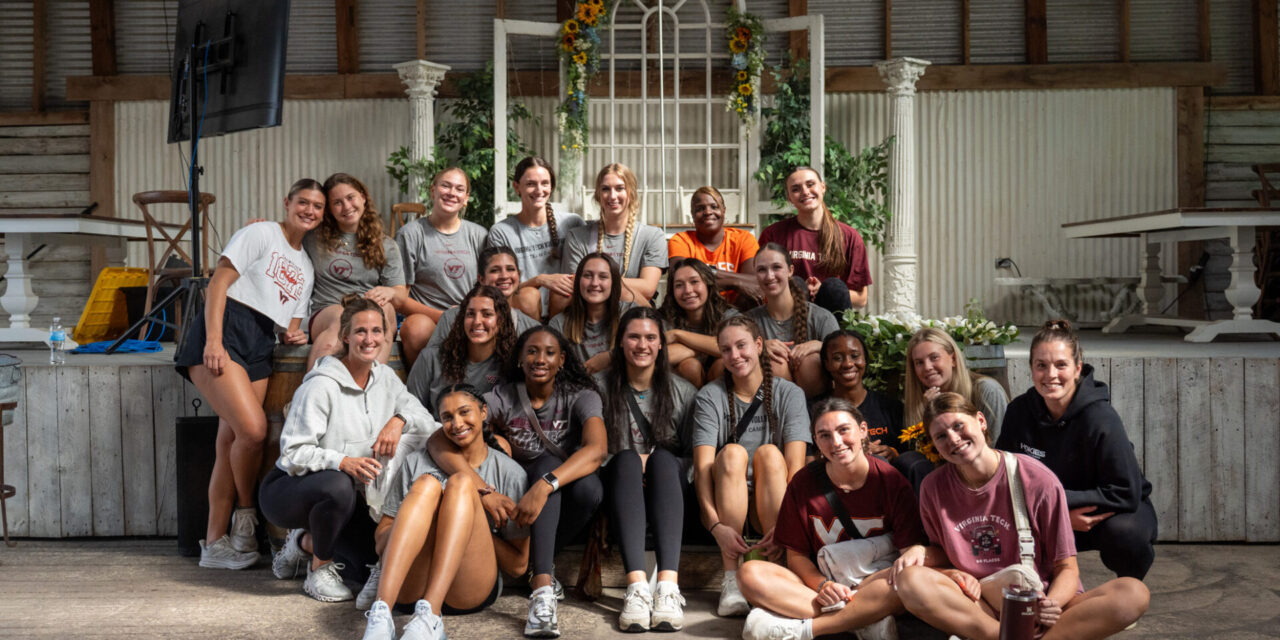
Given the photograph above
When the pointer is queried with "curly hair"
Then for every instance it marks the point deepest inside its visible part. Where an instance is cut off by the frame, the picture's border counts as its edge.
(571, 377)
(799, 296)
(712, 310)
(575, 316)
(354, 303)
(523, 166)
(629, 182)
(772, 433)
(453, 351)
(461, 387)
(617, 411)
(369, 232)
(830, 236)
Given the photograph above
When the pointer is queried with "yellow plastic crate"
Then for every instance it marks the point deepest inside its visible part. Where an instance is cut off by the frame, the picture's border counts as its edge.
(105, 315)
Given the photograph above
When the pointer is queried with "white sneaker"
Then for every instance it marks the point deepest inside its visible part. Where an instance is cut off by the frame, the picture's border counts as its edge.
(380, 625)
(369, 593)
(542, 621)
(243, 521)
(325, 584)
(222, 555)
(885, 628)
(425, 625)
(290, 561)
(668, 608)
(637, 605)
(762, 625)
(732, 603)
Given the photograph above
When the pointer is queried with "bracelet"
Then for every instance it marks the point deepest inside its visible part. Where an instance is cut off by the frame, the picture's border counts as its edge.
(713, 527)
(822, 584)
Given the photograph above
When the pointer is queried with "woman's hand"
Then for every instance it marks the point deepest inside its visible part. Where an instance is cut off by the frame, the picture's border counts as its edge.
(215, 356)
(883, 450)
(832, 592)
(362, 469)
(804, 350)
(771, 550)
(931, 393)
(388, 438)
(730, 542)
(293, 336)
(778, 350)
(1048, 611)
(912, 556)
(968, 584)
(561, 283)
(599, 362)
(751, 288)
(499, 507)
(1083, 518)
(813, 284)
(381, 295)
(532, 502)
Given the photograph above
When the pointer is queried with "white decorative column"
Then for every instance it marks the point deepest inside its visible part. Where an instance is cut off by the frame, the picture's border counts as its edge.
(900, 261)
(421, 79)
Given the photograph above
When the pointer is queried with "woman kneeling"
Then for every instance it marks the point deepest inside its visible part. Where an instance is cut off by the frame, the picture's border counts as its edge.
(968, 510)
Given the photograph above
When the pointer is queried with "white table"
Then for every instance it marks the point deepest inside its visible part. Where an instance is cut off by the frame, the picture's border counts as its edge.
(1176, 225)
(22, 233)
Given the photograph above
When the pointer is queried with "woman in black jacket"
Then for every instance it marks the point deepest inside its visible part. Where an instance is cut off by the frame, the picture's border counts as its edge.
(1066, 421)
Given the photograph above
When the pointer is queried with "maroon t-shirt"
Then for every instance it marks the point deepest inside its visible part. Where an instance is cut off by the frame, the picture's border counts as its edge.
(806, 251)
(884, 504)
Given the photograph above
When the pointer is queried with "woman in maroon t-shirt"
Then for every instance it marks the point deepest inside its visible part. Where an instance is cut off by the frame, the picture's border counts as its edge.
(829, 255)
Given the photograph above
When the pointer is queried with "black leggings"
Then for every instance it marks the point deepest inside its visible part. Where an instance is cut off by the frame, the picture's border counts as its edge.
(564, 516)
(326, 504)
(649, 493)
(1125, 541)
(914, 466)
(832, 295)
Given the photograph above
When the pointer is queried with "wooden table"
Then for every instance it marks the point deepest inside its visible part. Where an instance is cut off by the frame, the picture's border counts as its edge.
(1237, 225)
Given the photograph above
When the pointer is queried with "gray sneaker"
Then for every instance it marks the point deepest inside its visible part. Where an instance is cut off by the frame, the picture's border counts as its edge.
(325, 584)
(290, 561)
(637, 606)
(222, 555)
(885, 628)
(542, 621)
(243, 521)
(379, 625)
(557, 588)
(425, 625)
(369, 593)
(762, 625)
(732, 603)
(668, 609)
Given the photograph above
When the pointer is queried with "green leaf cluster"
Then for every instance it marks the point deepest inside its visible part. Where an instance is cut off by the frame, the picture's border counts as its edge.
(466, 141)
(857, 185)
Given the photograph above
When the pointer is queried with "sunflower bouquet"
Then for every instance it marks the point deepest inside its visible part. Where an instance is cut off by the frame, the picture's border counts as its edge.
(919, 440)
(745, 34)
(579, 50)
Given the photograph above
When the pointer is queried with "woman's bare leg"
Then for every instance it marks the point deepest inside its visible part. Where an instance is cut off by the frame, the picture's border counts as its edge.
(773, 587)
(1102, 611)
(462, 532)
(389, 314)
(691, 369)
(809, 375)
(937, 599)
(729, 480)
(771, 484)
(407, 556)
(529, 302)
(716, 370)
(242, 428)
(324, 340)
(780, 367)
(415, 331)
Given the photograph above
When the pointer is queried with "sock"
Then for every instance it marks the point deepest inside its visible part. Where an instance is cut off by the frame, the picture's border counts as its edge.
(731, 575)
(547, 590)
(667, 586)
(806, 629)
(638, 586)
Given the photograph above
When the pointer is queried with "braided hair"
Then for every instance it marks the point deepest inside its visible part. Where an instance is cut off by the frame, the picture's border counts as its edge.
(537, 161)
(453, 351)
(617, 410)
(629, 182)
(830, 236)
(575, 316)
(369, 232)
(572, 375)
(773, 433)
(799, 296)
(712, 310)
(461, 387)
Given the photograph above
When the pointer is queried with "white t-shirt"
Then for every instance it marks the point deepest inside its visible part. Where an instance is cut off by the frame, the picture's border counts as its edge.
(275, 279)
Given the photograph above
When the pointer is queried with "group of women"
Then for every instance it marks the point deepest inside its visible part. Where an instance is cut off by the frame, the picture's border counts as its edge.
(546, 381)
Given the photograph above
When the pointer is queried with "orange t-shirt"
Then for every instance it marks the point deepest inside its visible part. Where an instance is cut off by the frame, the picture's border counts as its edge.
(738, 247)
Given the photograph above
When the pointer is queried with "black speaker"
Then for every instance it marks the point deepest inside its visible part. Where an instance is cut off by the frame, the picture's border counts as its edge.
(197, 437)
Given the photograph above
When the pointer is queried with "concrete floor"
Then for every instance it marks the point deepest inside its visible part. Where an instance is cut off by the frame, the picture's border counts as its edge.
(143, 589)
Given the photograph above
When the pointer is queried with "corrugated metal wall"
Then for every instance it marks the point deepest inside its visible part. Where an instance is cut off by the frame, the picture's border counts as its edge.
(1083, 30)
(854, 30)
(15, 55)
(927, 29)
(1163, 30)
(1230, 23)
(67, 49)
(997, 32)
(144, 35)
(313, 37)
(388, 34)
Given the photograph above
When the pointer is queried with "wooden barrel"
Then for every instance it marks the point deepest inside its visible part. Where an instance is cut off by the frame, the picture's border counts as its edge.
(989, 360)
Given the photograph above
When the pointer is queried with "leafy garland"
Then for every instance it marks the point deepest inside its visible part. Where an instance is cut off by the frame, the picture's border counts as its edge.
(745, 35)
(579, 50)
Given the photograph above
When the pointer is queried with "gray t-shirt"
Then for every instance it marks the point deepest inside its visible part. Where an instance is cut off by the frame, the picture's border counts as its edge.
(450, 315)
(648, 249)
(595, 335)
(440, 267)
(342, 270)
(498, 470)
(711, 417)
(532, 245)
(682, 393)
(562, 418)
(821, 323)
(427, 377)
(729, 312)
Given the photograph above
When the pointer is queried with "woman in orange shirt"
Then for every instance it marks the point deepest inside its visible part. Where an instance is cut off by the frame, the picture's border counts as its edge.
(727, 250)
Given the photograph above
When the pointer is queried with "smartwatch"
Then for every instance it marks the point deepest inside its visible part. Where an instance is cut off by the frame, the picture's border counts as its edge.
(551, 479)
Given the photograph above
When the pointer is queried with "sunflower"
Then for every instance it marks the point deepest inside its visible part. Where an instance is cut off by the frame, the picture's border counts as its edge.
(587, 14)
(598, 4)
(571, 26)
(743, 34)
(580, 57)
(742, 76)
(744, 89)
(568, 42)
(737, 46)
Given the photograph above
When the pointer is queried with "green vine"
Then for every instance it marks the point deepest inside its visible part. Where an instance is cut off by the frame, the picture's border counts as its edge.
(579, 51)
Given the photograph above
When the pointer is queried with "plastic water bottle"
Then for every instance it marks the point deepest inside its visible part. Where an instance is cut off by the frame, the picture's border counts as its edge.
(57, 335)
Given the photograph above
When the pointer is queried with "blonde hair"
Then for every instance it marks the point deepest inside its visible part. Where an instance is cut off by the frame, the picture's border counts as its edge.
(961, 380)
(633, 208)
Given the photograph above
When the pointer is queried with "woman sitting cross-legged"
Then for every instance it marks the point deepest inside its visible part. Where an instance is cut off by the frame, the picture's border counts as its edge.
(433, 523)
(750, 435)
(475, 351)
(498, 269)
(645, 408)
(836, 579)
(349, 411)
(793, 327)
(549, 411)
(972, 520)
(691, 311)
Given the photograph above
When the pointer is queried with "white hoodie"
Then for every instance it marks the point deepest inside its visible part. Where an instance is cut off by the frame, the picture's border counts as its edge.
(331, 417)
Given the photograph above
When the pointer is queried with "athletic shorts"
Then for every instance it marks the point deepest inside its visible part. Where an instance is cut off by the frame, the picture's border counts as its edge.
(248, 336)
(408, 607)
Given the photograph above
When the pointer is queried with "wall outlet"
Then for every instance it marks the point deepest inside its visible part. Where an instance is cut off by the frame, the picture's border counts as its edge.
(1004, 263)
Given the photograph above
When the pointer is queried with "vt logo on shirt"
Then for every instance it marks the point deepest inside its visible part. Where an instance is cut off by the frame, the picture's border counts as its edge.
(830, 533)
(288, 276)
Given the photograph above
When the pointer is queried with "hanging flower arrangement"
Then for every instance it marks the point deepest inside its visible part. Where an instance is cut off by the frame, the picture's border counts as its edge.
(579, 50)
(745, 35)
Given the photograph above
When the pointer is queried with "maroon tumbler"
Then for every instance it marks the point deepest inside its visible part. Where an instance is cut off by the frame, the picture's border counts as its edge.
(1018, 616)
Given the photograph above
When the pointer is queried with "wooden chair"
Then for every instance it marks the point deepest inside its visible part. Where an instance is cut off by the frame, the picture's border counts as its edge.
(400, 212)
(1268, 245)
(156, 273)
(6, 490)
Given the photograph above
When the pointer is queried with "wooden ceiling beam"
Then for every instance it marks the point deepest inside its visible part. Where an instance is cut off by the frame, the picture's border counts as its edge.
(348, 36)
(799, 40)
(1037, 32)
(102, 35)
(1266, 48)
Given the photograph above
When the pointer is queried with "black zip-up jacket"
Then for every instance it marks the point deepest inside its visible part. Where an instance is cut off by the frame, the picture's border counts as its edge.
(1087, 448)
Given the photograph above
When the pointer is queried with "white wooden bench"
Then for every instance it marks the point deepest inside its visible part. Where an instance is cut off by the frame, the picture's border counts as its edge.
(1049, 292)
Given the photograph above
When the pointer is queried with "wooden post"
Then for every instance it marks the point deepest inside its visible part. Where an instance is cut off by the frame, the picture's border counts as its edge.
(1124, 30)
(564, 10)
(1266, 48)
(799, 39)
(1037, 32)
(1191, 185)
(348, 38)
(422, 30)
(965, 11)
(888, 29)
(102, 34)
(1203, 35)
(39, 34)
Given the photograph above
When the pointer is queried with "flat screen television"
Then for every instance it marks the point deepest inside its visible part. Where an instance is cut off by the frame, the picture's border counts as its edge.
(239, 65)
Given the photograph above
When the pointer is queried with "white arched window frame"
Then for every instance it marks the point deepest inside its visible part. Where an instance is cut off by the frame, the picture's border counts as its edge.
(668, 208)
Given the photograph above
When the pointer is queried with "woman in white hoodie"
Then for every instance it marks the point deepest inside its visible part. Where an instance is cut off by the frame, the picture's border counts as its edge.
(349, 413)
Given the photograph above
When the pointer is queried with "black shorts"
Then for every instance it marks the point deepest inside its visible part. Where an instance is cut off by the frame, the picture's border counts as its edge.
(248, 336)
(407, 608)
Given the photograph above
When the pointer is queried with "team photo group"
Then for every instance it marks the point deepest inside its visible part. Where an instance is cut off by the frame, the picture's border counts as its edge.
(552, 380)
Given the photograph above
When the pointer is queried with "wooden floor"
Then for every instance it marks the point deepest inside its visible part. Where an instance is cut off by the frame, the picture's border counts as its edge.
(143, 589)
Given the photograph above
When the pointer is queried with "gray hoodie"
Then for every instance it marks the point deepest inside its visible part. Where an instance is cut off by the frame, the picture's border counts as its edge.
(331, 417)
